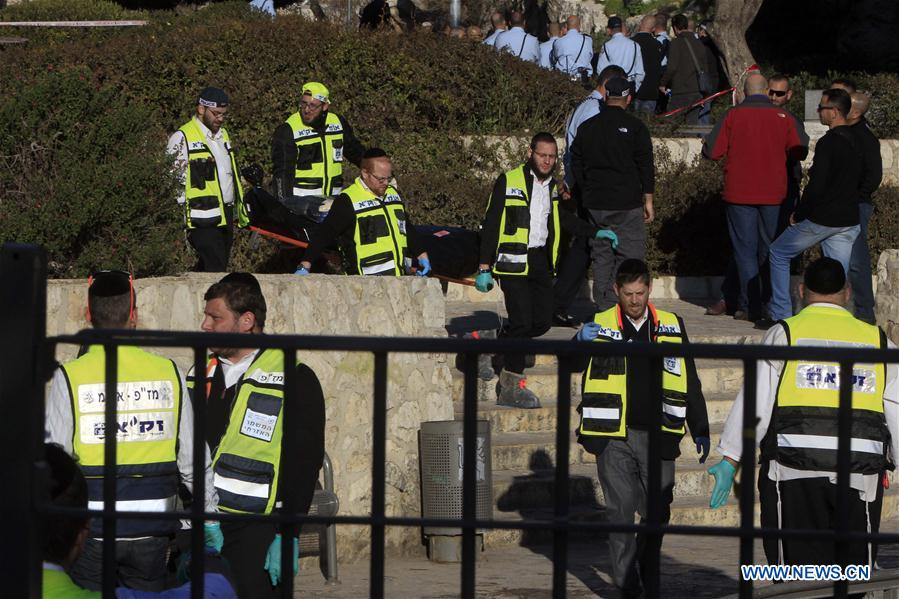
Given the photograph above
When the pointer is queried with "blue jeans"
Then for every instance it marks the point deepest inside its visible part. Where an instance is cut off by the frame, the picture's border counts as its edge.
(836, 243)
(752, 228)
(705, 113)
(860, 267)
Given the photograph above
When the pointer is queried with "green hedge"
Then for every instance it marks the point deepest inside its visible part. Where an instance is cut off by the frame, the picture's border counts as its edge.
(82, 164)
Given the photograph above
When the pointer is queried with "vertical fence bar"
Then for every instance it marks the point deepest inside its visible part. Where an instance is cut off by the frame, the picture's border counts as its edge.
(290, 450)
(469, 475)
(110, 431)
(379, 456)
(198, 506)
(654, 508)
(844, 444)
(23, 309)
(747, 476)
(560, 488)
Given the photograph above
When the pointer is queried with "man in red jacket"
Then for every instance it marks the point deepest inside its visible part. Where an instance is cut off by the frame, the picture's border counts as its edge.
(756, 138)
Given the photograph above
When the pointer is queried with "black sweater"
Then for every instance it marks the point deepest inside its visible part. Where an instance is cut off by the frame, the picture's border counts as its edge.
(284, 153)
(872, 166)
(490, 225)
(831, 196)
(612, 161)
(640, 403)
(651, 50)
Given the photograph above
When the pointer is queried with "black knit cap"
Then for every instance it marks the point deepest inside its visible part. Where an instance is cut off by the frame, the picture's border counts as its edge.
(824, 276)
(213, 97)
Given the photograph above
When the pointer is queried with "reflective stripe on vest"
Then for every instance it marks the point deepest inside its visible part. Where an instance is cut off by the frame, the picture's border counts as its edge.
(514, 227)
(379, 232)
(248, 458)
(204, 204)
(319, 167)
(149, 410)
(604, 404)
(806, 412)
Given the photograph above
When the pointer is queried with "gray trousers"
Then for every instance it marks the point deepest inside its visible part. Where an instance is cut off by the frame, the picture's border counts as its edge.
(623, 469)
(628, 225)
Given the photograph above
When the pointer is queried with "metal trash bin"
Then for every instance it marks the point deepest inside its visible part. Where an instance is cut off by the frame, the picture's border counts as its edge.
(441, 448)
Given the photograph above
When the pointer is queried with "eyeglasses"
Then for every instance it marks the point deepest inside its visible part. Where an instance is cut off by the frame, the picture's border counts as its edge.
(309, 106)
(822, 107)
(777, 93)
(112, 276)
(381, 180)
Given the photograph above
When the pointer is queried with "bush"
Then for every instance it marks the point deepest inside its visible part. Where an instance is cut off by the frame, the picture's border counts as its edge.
(68, 10)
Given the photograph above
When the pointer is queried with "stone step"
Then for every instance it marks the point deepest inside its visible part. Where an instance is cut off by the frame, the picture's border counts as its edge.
(529, 451)
(687, 511)
(504, 419)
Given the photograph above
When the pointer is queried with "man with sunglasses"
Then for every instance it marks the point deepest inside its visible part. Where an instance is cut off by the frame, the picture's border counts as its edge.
(308, 150)
(371, 225)
(827, 213)
(154, 441)
(205, 164)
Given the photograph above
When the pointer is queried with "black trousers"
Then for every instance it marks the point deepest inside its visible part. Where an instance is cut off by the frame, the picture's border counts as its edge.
(245, 548)
(809, 503)
(213, 247)
(529, 304)
(140, 564)
(572, 272)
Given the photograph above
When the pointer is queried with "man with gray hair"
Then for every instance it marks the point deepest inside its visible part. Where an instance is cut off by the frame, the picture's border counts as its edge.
(756, 138)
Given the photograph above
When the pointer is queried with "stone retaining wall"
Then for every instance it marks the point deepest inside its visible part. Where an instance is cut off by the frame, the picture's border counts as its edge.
(887, 309)
(419, 386)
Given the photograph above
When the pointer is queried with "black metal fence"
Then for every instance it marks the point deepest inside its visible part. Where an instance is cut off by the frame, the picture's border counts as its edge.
(26, 363)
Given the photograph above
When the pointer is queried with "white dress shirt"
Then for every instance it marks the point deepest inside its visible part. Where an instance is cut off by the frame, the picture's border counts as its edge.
(767, 380)
(177, 149)
(540, 203)
(519, 43)
(573, 51)
(626, 53)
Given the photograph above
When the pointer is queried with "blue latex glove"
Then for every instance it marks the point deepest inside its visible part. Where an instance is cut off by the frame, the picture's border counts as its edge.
(212, 533)
(424, 267)
(483, 282)
(724, 473)
(608, 234)
(273, 559)
(588, 332)
(703, 446)
(302, 271)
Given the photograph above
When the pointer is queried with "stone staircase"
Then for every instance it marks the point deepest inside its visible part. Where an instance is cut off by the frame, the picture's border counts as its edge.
(523, 441)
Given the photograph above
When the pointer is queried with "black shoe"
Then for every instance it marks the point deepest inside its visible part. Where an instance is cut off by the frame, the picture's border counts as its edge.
(530, 360)
(563, 319)
(763, 324)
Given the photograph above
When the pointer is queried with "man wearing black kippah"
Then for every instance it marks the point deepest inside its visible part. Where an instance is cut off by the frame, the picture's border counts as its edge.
(154, 440)
(212, 197)
(797, 425)
(371, 225)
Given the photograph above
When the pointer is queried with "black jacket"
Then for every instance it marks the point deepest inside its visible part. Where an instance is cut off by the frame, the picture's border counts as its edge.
(284, 153)
(339, 226)
(831, 196)
(612, 161)
(640, 404)
(652, 65)
(490, 225)
(872, 166)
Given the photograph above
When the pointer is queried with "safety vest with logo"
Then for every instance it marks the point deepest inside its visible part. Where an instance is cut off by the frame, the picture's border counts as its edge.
(380, 231)
(319, 168)
(515, 224)
(806, 412)
(604, 397)
(247, 461)
(149, 410)
(56, 584)
(204, 204)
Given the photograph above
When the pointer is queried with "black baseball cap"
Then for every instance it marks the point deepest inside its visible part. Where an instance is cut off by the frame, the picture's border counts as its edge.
(615, 22)
(618, 87)
(213, 97)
